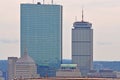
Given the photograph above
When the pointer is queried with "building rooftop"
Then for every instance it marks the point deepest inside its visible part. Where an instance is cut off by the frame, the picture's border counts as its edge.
(70, 79)
(68, 65)
(82, 24)
(25, 58)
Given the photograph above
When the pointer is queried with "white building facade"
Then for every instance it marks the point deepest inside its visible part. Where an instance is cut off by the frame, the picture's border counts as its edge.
(82, 46)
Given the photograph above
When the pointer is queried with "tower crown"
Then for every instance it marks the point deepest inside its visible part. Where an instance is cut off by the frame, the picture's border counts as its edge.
(82, 25)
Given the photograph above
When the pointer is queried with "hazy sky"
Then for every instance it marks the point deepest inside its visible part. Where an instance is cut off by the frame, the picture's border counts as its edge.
(103, 14)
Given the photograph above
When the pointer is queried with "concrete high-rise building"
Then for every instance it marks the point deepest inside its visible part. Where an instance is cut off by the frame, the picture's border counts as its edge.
(41, 33)
(11, 67)
(82, 46)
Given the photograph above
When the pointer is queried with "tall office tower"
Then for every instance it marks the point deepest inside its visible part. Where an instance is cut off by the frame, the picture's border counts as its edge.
(41, 33)
(11, 67)
(82, 45)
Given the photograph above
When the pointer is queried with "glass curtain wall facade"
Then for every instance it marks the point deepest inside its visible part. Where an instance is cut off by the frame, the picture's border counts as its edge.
(41, 33)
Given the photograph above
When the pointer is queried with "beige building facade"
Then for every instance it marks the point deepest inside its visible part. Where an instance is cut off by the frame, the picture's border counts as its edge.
(21, 68)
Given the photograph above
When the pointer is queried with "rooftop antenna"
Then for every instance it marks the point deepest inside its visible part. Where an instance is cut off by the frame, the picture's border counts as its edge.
(82, 15)
(43, 1)
(33, 1)
(52, 1)
(75, 18)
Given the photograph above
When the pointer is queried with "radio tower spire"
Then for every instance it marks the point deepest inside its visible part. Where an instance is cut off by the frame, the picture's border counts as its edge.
(82, 15)
(51, 1)
(33, 1)
(43, 1)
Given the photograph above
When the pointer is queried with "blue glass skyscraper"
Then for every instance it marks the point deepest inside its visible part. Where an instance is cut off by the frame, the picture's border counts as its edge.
(41, 33)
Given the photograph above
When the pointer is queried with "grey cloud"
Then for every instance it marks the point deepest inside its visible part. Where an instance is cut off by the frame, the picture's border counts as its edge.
(107, 3)
(8, 41)
(104, 43)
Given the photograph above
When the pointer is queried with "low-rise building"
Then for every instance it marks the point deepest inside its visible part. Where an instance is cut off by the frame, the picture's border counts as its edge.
(1, 76)
(104, 73)
(26, 67)
(68, 70)
(117, 74)
(107, 73)
(21, 68)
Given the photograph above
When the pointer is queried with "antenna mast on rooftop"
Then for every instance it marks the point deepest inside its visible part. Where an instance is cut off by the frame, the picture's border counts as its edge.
(82, 15)
(33, 1)
(75, 18)
(43, 1)
(51, 1)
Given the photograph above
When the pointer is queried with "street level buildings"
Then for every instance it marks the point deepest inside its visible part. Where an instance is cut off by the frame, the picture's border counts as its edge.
(68, 71)
(72, 79)
(1, 75)
(41, 33)
(82, 46)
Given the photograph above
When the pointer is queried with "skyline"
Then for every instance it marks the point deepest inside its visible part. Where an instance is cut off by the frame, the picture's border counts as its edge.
(105, 24)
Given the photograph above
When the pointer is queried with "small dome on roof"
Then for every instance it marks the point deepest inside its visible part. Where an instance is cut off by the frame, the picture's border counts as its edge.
(26, 59)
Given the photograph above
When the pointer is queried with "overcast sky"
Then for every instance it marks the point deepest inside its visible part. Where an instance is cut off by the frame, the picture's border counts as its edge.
(103, 14)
